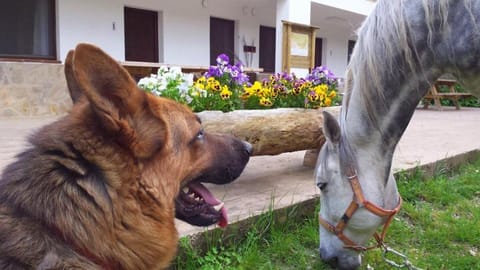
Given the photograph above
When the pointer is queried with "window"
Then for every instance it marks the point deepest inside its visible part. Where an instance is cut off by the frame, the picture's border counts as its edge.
(27, 29)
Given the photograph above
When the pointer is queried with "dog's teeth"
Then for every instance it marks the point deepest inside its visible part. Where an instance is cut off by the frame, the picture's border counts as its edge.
(218, 207)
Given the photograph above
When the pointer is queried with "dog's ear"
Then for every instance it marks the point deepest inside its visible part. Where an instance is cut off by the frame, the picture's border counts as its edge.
(115, 99)
(72, 84)
(110, 89)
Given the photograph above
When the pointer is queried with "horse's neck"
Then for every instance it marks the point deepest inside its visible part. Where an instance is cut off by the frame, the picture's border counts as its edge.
(400, 52)
(373, 139)
(383, 124)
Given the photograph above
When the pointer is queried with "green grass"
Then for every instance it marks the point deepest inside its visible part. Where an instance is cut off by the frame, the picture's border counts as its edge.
(437, 228)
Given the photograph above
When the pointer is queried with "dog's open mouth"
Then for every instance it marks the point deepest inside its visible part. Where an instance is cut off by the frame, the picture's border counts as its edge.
(197, 206)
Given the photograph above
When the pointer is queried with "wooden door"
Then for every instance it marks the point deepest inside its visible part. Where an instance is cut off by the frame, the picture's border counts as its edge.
(141, 35)
(318, 51)
(222, 39)
(266, 49)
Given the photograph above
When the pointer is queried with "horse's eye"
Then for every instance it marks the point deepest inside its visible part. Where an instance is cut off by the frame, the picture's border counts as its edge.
(321, 186)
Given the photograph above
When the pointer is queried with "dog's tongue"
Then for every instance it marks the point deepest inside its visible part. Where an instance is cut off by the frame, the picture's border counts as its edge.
(211, 200)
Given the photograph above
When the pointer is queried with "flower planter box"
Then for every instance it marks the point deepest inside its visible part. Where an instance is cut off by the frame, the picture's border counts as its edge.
(271, 131)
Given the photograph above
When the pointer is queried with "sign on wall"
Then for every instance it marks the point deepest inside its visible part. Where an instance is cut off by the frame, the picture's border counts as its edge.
(298, 44)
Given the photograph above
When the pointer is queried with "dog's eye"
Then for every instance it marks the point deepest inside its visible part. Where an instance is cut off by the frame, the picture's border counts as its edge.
(200, 135)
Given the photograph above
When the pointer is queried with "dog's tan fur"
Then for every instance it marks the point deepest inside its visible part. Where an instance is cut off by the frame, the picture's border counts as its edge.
(96, 189)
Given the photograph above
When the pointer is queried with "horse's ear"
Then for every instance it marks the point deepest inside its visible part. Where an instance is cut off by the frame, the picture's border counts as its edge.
(72, 84)
(331, 129)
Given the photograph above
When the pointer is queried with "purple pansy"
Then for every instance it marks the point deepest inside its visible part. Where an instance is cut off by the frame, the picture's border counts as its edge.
(238, 75)
(223, 59)
(321, 75)
(214, 71)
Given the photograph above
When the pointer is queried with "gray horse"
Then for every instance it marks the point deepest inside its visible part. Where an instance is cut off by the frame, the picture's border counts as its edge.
(402, 48)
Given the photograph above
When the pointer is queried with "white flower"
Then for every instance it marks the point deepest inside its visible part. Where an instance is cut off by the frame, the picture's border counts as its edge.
(162, 70)
(176, 70)
(149, 83)
(187, 82)
(169, 79)
(188, 98)
(157, 92)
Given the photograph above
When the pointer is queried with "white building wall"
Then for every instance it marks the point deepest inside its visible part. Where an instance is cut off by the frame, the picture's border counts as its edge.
(335, 48)
(184, 26)
(90, 21)
(363, 7)
(296, 11)
(184, 39)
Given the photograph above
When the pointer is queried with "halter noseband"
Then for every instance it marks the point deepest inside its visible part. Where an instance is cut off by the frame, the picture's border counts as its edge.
(357, 202)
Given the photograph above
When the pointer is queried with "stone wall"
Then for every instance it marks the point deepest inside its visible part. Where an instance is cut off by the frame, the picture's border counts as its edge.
(32, 90)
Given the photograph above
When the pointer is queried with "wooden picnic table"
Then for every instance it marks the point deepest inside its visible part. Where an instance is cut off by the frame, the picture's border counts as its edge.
(435, 95)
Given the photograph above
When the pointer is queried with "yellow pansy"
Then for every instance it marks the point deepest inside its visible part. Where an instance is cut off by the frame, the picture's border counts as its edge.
(200, 83)
(327, 101)
(307, 84)
(265, 102)
(202, 80)
(321, 89)
(266, 92)
(332, 94)
(210, 80)
(225, 93)
(313, 96)
(296, 90)
(214, 85)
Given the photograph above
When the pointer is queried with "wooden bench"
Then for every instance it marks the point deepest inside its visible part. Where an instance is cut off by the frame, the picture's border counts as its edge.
(435, 95)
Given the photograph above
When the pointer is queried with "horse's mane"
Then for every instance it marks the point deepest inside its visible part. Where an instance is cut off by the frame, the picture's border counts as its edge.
(385, 46)
(384, 35)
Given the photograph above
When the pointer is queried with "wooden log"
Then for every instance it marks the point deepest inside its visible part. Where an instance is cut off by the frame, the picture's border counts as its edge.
(310, 158)
(271, 132)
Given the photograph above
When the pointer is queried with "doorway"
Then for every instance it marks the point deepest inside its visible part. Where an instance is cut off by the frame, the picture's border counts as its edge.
(222, 39)
(267, 48)
(318, 51)
(141, 35)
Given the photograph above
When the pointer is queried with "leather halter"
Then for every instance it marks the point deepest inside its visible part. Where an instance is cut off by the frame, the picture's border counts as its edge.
(357, 202)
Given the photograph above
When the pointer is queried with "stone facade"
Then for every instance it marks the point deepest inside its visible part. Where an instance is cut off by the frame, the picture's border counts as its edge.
(33, 90)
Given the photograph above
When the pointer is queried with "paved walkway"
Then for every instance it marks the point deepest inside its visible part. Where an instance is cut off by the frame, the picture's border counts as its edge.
(282, 180)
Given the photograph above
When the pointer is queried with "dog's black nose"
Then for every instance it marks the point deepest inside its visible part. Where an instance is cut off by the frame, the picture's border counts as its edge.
(248, 147)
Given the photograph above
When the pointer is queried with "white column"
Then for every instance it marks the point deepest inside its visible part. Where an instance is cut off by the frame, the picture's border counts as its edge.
(297, 11)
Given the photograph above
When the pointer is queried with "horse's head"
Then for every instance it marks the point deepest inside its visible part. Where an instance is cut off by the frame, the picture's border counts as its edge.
(347, 218)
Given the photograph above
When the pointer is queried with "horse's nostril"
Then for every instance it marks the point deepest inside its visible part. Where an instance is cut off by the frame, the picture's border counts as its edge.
(248, 147)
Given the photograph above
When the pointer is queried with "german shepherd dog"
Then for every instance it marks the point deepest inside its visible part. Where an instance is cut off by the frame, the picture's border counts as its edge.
(100, 188)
